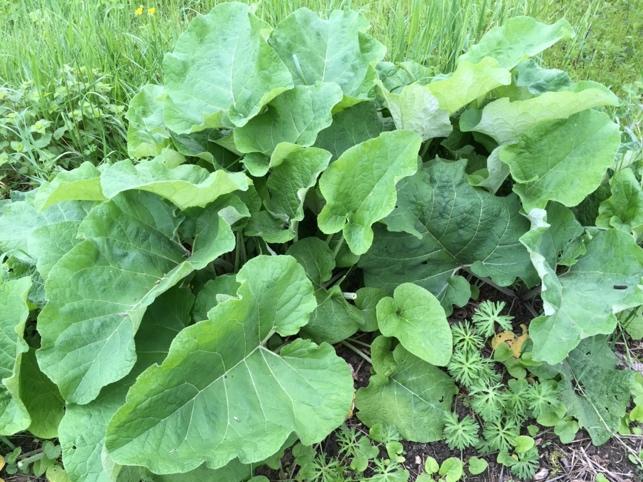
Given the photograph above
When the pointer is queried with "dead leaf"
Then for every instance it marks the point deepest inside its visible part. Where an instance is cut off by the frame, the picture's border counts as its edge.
(510, 338)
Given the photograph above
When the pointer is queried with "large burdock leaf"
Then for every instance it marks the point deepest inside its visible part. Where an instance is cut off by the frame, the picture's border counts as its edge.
(516, 40)
(562, 161)
(185, 185)
(98, 292)
(222, 71)
(442, 224)
(594, 391)
(296, 116)
(624, 208)
(294, 170)
(506, 121)
(222, 394)
(41, 398)
(468, 82)
(336, 49)
(82, 430)
(405, 393)
(359, 187)
(167, 175)
(334, 319)
(415, 317)
(37, 237)
(583, 301)
(350, 127)
(80, 184)
(147, 135)
(414, 108)
(13, 316)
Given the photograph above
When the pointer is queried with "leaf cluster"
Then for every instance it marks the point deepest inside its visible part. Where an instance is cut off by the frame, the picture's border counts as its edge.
(176, 314)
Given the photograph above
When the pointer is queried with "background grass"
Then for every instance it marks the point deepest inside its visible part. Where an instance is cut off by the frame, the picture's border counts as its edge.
(40, 36)
(76, 63)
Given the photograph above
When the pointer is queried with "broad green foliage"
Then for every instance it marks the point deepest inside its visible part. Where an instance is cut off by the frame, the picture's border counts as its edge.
(406, 393)
(469, 82)
(442, 224)
(542, 162)
(414, 316)
(350, 127)
(99, 290)
(296, 116)
(359, 187)
(624, 208)
(175, 316)
(583, 301)
(222, 71)
(518, 39)
(41, 398)
(183, 185)
(594, 390)
(13, 315)
(294, 170)
(414, 108)
(336, 49)
(146, 132)
(506, 121)
(224, 393)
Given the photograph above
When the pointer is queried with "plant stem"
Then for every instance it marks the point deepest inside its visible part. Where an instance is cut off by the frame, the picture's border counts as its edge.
(506, 291)
(338, 246)
(357, 351)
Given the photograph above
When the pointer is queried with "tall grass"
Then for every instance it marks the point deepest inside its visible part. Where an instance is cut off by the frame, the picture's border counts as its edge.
(40, 36)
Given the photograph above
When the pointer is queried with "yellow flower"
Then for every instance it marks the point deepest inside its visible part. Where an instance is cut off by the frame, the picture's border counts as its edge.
(151, 10)
(139, 10)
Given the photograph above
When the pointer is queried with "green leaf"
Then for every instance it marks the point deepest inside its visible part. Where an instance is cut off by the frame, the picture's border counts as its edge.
(222, 71)
(353, 207)
(516, 40)
(477, 465)
(82, 431)
(536, 80)
(415, 109)
(296, 117)
(316, 258)
(523, 443)
(566, 430)
(593, 390)
(184, 185)
(546, 162)
(624, 208)
(583, 301)
(294, 171)
(505, 121)
(41, 398)
(468, 82)
(212, 293)
(431, 466)
(406, 393)
(366, 301)
(13, 316)
(221, 394)
(80, 184)
(334, 319)
(99, 290)
(336, 49)
(415, 317)
(60, 223)
(442, 224)
(351, 127)
(452, 469)
(395, 76)
(147, 135)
